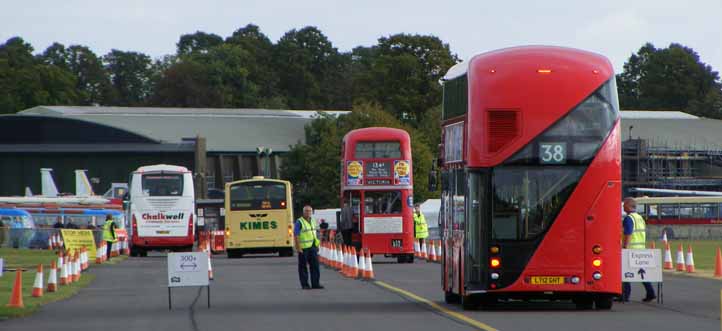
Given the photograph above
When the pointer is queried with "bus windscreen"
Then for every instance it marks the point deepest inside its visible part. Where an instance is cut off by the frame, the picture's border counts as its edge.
(378, 150)
(162, 185)
(258, 196)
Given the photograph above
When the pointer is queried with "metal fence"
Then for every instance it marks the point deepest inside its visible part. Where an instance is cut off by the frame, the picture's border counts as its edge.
(34, 238)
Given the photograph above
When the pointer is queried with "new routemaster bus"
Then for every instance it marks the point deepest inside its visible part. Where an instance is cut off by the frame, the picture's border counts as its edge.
(259, 217)
(530, 162)
(377, 186)
(161, 209)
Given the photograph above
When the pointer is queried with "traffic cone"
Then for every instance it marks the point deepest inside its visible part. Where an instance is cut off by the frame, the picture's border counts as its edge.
(423, 251)
(16, 298)
(690, 260)
(718, 264)
(346, 270)
(63, 273)
(339, 258)
(83, 258)
(210, 268)
(432, 252)
(362, 264)
(667, 257)
(680, 259)
(416, 248)
(50, 243)
(38, 284)
(53, 277)
(126, 247)
(98, 256)
(369, 265)
(439, 256)
(652, 245)
(664, 237)
(354, 263)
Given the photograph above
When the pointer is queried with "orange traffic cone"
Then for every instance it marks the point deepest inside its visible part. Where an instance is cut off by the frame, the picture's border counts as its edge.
(16, 298)
(439, 256)
(339, 258)
(38, 284)
(63, 270)
(354, 263)
(680, 259)
(346, 270)
(422, 253)
(432, 252)
(690, 259)
(668, 257)
(369, 265)
(664, 237)
(718, 264)
(53, 277)
(210, 268)
(126, 247)
(98, 256)
(50, 243)
(416, 248)
(362, 264)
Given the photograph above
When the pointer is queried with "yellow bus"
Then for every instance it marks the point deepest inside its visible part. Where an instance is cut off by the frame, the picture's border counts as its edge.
(259, 217)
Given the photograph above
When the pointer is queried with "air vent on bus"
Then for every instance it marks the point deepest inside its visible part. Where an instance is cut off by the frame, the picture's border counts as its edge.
(503, 128)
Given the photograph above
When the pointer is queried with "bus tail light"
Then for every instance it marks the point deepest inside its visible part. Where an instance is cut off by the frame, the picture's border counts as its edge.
(190, 225)
(597, 262)
(494, 250)
(135, 226)
(290, 231)
(228, 232)
(544, 71)
(495, 262)
(283, 204)
(597, 249)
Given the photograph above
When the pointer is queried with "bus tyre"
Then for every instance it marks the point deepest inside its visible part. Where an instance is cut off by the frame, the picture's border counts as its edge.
(451, 297)
(233, 254)
(603, 302)
(285, 252)
(469, 302)
(583, 303)
(143, 253)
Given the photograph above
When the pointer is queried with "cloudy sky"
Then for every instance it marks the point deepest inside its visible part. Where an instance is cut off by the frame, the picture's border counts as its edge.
(615, 28)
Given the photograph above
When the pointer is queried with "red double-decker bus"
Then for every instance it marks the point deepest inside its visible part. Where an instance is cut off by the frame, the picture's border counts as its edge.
(377, 192)
(531, 193)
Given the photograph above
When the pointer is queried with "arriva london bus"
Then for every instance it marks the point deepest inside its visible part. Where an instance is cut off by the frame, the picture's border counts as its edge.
(259, 217)
(377, 187)
(531, 193)
(161, 206)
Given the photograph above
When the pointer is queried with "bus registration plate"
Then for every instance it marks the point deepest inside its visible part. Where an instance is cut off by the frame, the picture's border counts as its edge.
(396, 243)
(547, 280)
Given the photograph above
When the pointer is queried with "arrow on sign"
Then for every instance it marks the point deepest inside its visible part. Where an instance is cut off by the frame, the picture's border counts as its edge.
(194, 265)
(641, 273)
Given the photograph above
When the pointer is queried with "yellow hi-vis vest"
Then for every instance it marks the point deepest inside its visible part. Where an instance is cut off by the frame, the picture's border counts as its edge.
(638, 239)
(107, 235)
(422, 229)
(307, 237)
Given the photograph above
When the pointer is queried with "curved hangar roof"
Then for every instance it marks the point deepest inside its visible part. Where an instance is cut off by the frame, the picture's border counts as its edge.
(225, 130)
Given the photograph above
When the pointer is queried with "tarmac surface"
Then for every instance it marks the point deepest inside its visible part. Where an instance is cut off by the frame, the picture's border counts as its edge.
(263, 293)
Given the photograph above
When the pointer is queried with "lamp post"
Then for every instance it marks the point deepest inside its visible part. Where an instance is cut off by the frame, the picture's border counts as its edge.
(265, 164)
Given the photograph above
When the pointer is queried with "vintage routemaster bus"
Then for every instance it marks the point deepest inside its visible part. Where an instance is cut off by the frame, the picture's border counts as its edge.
(377, 187)
(530, 162)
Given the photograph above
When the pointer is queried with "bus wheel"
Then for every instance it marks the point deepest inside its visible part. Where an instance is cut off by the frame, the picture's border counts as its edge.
(233, 254)
(603, 302)
(451, 297)
(469, 302)
(285, 252)
(143, 253)
(583, 303)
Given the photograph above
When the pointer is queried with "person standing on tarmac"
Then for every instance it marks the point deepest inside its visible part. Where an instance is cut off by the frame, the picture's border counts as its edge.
(307, 243)
(634, 237)
(109, 233)
(421, 229)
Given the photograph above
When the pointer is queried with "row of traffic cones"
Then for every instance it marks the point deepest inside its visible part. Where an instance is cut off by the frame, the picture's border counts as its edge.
(347, 260)
(70, 268)
(430, 253)
(55, 241)
(682, 263)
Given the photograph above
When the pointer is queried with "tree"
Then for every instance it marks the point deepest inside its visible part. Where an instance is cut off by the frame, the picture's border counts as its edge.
(667, 79)
(26, 82)
(131, 75)
(313, 166)
(92, 82)
(199, 42)
(308, 66)
(402, 74)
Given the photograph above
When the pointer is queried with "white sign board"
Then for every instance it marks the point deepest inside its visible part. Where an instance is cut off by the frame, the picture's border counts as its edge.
(383, 225)
(187, 269)
(642, 265)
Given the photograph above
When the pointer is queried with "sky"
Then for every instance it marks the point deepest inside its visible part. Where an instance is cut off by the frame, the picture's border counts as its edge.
(614, 28)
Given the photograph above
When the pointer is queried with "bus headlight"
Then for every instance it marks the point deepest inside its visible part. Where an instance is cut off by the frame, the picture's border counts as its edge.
(575, 280)
(228, 232)
(494, 276)
(597, 275)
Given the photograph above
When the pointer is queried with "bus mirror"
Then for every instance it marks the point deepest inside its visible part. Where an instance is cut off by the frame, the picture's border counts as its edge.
(126, 196)
(432, 181)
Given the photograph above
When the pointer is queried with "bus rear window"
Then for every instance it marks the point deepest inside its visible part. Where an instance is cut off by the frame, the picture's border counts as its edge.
(161, 185)
(258, 196)
(378, 150)
(382, 202)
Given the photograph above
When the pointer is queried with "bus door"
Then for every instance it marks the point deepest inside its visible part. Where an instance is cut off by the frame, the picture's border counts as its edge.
(353, 236)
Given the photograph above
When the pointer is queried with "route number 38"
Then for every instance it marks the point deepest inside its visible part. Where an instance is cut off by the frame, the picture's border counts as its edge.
(553, 153)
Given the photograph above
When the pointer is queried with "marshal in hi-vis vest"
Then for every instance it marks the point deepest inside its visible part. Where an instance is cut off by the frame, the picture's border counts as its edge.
(307, 238)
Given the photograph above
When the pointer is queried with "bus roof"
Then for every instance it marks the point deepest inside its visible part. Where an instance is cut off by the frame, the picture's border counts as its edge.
(102, 212)
(377, 134)
(665, 200)
(13, 212)
(258, 180)
(161, 167)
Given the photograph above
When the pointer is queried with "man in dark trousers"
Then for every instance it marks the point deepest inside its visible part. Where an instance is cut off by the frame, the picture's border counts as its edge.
(109, 233)
(634, 237)
(306, 243)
